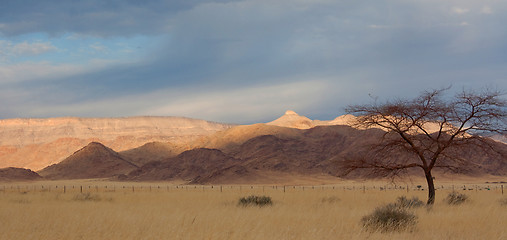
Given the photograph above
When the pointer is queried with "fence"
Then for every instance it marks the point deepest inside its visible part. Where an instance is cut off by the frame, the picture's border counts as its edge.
(139, 188)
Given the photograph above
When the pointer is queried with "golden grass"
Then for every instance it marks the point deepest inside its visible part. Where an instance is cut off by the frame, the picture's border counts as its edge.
(33, 212)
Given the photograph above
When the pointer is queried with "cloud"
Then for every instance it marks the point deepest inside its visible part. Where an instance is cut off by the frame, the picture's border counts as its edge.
(10, 49)
(244, 105)
(44, 72)
(459, 10)
(91, 17)
(238, 105)
(379, 26)
(227, 60)
(36, 48)
(98, 47)
(486, 10)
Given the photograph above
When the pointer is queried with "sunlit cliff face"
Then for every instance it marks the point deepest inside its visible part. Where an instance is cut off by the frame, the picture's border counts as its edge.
(36, 143)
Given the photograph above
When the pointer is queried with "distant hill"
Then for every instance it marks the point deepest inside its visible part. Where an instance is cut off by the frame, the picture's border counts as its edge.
(154, 151)
(310, 152)
(195, 166)
(201, 152)
(293, 120)
(93, 161)
(18, 174)
(38, 143)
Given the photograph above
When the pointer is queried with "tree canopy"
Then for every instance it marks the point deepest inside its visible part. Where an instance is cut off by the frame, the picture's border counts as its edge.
(425, 132)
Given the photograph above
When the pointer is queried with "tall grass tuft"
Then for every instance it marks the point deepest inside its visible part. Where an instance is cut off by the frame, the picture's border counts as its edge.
(404, 202)
(331, 199)
(86, 197)
(389, 218)
(455, 198)
(393, 216)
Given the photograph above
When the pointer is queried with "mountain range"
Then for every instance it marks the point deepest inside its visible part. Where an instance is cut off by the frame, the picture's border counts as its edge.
(201, 152)
(38, 143)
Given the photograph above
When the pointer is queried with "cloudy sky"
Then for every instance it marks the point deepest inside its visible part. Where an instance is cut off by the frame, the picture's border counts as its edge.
(240, 61)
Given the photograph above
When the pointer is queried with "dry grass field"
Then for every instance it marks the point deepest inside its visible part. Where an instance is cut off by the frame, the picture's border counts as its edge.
(44, 211)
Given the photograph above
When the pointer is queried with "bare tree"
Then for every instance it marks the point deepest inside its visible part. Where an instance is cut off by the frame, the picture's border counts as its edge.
(428, 131)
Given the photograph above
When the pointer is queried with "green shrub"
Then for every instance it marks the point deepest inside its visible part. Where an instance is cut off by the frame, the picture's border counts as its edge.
(252, 200)
(389, 218)
(455, 198)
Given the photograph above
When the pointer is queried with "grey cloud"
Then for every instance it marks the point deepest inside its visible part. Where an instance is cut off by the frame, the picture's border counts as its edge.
(91, 17)
(394, 48)
(9, 49)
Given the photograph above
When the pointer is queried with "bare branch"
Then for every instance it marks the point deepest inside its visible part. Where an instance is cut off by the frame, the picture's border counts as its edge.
(428, 129)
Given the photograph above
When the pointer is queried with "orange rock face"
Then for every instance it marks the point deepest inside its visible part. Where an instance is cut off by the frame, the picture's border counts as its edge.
(37, 143)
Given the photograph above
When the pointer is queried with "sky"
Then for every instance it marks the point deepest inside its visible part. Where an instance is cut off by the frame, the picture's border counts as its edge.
(241, 61)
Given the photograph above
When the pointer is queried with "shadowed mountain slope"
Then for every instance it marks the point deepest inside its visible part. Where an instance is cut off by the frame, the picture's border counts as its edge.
(316, 151)
(229, 140)
(154, 151)
(18, 174)
(93, 161)
(292, 145)
(192, 166)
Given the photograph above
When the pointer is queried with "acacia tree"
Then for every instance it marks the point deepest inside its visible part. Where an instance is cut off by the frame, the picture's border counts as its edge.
(428, 131)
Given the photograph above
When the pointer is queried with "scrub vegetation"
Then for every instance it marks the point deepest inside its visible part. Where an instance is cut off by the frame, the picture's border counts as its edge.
(197, 212)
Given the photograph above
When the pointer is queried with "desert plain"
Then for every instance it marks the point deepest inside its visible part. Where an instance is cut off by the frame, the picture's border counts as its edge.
(177, 178)
(93, 209)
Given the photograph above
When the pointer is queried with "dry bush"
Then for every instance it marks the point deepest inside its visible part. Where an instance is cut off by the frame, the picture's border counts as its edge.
(455, 198)
(389, 218)
(253, 200)
(404, 202)
(20, 201)
(87, 197)
(199, 213)
(331, 199)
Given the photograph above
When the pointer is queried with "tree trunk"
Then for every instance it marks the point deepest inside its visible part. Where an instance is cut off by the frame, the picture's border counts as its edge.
(431, 187)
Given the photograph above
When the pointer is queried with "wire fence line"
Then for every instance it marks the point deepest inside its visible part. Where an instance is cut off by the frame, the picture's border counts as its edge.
(137, 188)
